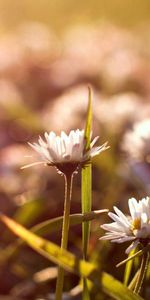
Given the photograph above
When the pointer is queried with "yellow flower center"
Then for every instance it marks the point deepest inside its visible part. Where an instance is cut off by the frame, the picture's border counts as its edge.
(136, 224)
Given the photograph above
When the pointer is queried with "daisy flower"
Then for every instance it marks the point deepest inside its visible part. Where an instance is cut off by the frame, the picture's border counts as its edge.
(136, 142)
(66, 152)
(135, 227)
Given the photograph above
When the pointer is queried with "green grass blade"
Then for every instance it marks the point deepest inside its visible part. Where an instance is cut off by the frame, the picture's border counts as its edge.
(86, 205)
(45, 228)
(27, 213)
(70, 262)
(88, 120)
(87, 178)
(116, 289)
(55, 224)
(86, 293)
(134, 256)
(128, 268)
(86, 187)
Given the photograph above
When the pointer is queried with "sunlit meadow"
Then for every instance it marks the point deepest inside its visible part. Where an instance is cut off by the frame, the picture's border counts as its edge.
(70, 73)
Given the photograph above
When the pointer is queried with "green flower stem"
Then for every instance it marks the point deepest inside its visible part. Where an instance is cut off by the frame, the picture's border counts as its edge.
(65, 230)
(142, 272)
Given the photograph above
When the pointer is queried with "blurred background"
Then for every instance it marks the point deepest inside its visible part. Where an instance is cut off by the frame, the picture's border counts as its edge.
(49, 52)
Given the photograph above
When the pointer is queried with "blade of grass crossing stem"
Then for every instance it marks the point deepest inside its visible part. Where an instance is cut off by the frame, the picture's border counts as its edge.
(70, 262)
(45, 228)
(128, 268)
(86, 190)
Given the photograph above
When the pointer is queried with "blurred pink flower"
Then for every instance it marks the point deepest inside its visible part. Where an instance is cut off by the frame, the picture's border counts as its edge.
(136, 142)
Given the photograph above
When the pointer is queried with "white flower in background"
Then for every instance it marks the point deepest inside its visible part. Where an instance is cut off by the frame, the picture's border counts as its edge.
(66, 151)
(136, 142)
(134, 228)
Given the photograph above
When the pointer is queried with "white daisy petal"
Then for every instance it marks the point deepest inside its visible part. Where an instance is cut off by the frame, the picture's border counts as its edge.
(42, 143)
(112, 227)
(110, 236)
(94, 141)
(132, 246)
(117, 219)
(121, 215)
(133, 207)
(123, 239)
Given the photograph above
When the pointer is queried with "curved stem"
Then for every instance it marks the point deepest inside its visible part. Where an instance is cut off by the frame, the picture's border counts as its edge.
(142, 272)
(65, 230)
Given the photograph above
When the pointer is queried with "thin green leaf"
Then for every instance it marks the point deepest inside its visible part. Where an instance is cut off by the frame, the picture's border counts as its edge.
(86, 205)
(128, 268)
(116, 289)
(87, 179)
(55, 224)
(86, 293)
(86, 188)
(88, 120)
(27, 213)
(137, 254)
(45, 228)
(70, 262)
(132, 284)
